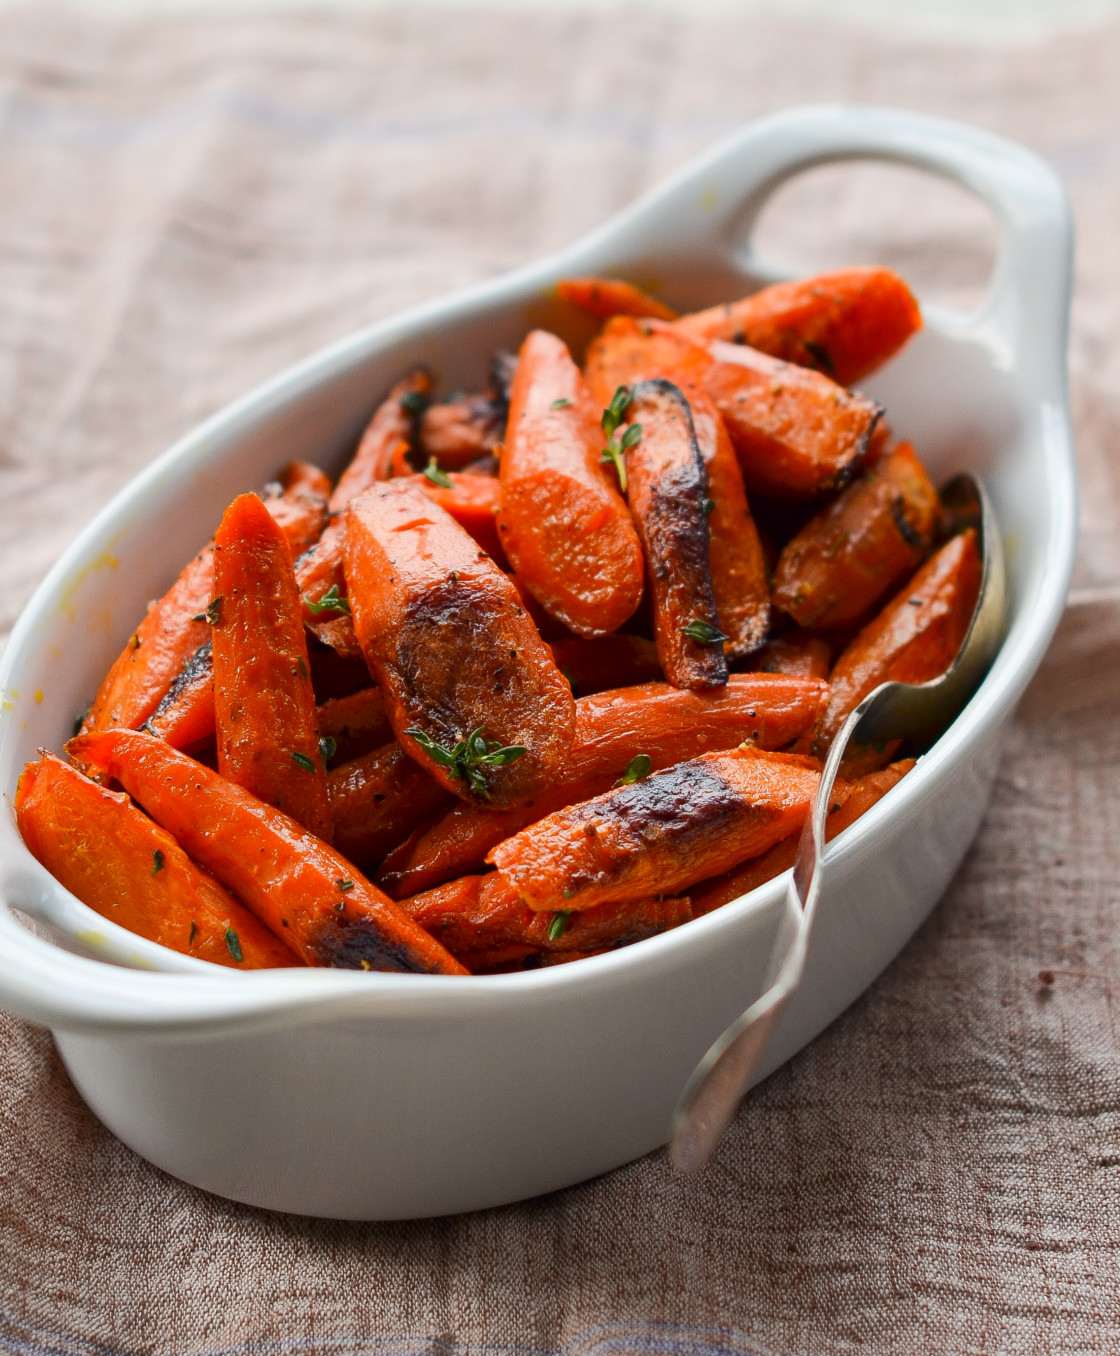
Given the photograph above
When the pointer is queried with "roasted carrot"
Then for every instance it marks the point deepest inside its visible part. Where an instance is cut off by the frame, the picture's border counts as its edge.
(301, 505)
(472, 500)
(176, 626)
(185, 716)
(616, 732)
(303, 477)
(856, 550)
(661, 834)
(797, 433)
(102, 849)
(667, 492)
(563, 523)
(795, 653)
(460, 431)
(263, 700)
(301, 889)
(913, 639)
(377, 800)
(851, 800)
(628, 350)
(845, 324)
(606, 662)
(470, 689)
(355, 724)
(605, 297)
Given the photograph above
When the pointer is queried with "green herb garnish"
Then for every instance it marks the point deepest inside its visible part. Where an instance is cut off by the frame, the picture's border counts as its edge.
(233, 945)
(214, 611)
(413, 402)
(465, 758)
(344, 885)
(561, 404)
(704, 632)
(134, 641)
(302, 668)
(709, 506)
(157, 861)
(328, 747)
(331, 601)
(302, 759)
(615, 450)
(436, 475)
(558, 924)
(641, 765)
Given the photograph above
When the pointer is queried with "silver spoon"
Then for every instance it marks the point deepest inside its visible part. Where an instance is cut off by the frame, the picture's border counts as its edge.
(892, 711)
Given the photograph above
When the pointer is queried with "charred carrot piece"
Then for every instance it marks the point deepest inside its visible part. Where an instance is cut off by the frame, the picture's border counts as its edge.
(913, 639)
(185, 717)
(301, 506)
(661, 834)
(629, 351)
(667, 492)
(563, 523)
(470, 689)
(473, 502)
(855, 551)
(304, 477)
(605, 297)
(606, 662)
(616, 733)
(301, 889)
(263, 700)
(854, 798)
(355, 724)
(377, 800)
(177, 626)
(796, 432)
(845, 324)
(108, 854)
(458, 432)
(797, 653)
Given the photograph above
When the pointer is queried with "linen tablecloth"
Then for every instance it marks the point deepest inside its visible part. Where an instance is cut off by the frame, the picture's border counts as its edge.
(186, 205)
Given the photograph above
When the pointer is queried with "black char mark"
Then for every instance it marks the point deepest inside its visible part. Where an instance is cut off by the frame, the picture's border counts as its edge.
(345, 943)
(199, 667)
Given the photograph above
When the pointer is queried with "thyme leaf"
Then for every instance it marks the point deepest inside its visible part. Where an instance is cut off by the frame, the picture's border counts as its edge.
(465, 759)
(704, 632)
(331, 601)
(558, 924)
(641, 765)
(436, 474)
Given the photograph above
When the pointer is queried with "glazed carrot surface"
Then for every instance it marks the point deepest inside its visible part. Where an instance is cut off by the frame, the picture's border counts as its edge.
(460, 431)
(563, 523)
(115, 859)
(301, 889)
(471, 690)
(377, 800)
(606, 662)
(796, 653)
(354, 724)
(472, 500)
(605, 297)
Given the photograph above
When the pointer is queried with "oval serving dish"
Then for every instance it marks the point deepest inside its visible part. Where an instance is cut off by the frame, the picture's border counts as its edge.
(443, 1094)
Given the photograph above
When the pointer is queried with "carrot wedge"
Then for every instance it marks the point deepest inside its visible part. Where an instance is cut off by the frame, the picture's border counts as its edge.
(301, 889)
(563, 523)
(470, 689)
(377, 800)
(606, 297)
(667, 492)
(913, 639)
(472, 500)
(458, 432)
(661, 834)
(110, 855)
(855, 551)
(263, 700)
(355, 724)
(845, 324)
(858, 798)
(613, 729)
(794, 653)
(606, 662)
(185, 716)
(797, 434)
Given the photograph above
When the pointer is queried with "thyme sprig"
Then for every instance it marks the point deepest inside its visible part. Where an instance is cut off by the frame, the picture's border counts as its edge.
(615, 451)
(466, 758)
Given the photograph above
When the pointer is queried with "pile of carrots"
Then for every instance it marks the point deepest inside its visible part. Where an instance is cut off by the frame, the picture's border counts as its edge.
(550, 669)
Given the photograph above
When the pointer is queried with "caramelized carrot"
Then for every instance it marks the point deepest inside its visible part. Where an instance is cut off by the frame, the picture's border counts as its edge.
(660, 834)
(854, 798)
(301, 506)
(605, 662)
(301, 889)
(605, 297)
(377, 800)
(795, 653)
(102, 849)
(845, 324)
(628, 351)
(913, 639)
(613, 729)
(563, 523)
(797, 434)
(460, 431)
(176, 626)
(185, 717)
(470, 689)
(356, 724)
(304, 477)
(856, 550)
(472, 501)
(667, 492)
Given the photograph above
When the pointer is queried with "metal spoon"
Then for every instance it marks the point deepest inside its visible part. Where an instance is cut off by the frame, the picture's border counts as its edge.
(892, 711)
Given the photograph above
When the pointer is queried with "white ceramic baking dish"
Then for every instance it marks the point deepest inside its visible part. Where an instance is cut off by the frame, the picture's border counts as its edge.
(377, 1096)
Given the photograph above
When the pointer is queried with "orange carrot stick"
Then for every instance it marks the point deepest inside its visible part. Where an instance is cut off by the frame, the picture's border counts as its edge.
(741, 880)
(914, 638)
(185, 717)
(102, 849)
(855, 551)
(797, 434)
(356, 724)
(470, 689)
(606, 662)
(473, 502)
(667, 493)
(605, 297)
(377, 800)
(563, 523)
(460, 431)
(660, 834)
(263, 700)
(301, 889)
(613, 729)
(845, 324)
(795, 653)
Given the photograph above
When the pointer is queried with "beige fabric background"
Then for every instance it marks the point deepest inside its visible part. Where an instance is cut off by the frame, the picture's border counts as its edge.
(187, 205)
